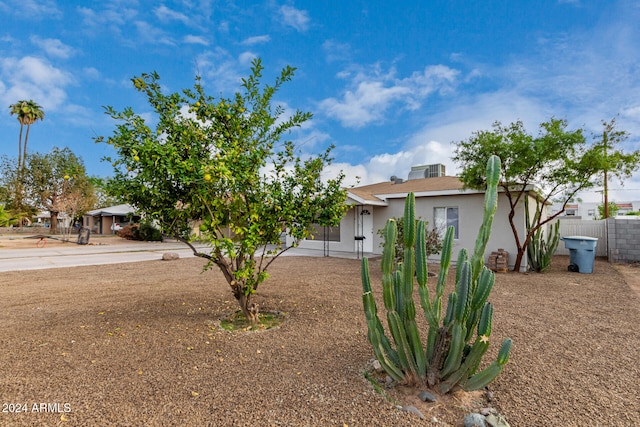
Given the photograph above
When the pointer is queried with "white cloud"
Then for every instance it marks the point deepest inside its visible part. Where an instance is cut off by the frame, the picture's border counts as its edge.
(223, 72)
(34, 9)
(32, 78)
(53, 47)
(256, 40)
(372, 95)
(91, 73)
(148, 33)
(191, 39)
(165, 14)
(296, 18)
(336, 51)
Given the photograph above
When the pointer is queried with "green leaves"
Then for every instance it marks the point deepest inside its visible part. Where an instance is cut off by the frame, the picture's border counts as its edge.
(223, 162)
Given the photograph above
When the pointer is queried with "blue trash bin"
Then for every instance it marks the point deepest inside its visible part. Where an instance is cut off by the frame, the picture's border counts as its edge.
(582, 252)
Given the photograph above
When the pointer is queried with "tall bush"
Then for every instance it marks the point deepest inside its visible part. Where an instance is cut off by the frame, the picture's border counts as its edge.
(455, 343)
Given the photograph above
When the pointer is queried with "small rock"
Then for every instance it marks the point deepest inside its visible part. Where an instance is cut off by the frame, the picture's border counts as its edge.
(388, 379)
(425, 396)
(474, 420)
(497, 421)
(170, 256)
(376, 365)
(487, 411)
(434, 420)
(413, 410)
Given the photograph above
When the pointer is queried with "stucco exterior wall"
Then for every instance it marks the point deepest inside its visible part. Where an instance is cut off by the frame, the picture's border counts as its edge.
(470, 213)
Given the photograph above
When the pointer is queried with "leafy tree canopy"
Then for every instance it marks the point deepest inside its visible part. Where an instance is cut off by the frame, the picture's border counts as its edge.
(557, 163)
(57, 182)
(223, 163)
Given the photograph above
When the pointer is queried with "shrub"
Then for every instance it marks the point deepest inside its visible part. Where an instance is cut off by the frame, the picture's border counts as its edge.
(147, 232)
(433, 242)
(143, 231)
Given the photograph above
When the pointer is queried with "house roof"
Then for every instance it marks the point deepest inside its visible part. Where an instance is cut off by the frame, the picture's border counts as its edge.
(377, 194)
(118, 210)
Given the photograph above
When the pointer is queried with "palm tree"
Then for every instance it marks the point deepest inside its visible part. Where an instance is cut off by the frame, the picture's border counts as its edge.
(28, 113)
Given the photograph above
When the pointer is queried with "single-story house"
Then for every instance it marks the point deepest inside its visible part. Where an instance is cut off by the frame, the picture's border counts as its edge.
(440, 200)
(109, 220)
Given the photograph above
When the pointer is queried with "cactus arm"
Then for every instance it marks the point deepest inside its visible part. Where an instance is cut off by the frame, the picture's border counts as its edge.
(386, 360)
(445, 260)
(484, 377)
(416, 347)
(409, 221)
(390, 235)
(471, 362)
(364, 275)
(408, 271)
(399, 335)
(483, 288)
(490, 207)
(463, 289)
(421, 256)
(449, 315)
(484, 326)
(454, 358)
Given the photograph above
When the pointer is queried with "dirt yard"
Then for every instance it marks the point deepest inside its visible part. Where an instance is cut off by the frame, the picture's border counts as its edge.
(136, 344)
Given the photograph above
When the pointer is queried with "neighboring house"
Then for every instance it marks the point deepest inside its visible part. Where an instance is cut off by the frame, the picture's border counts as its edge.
(440, 200)
(589, 210)
(109, 220)
(43, 219)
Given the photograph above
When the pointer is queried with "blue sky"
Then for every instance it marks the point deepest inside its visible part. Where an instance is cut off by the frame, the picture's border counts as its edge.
(390, 83)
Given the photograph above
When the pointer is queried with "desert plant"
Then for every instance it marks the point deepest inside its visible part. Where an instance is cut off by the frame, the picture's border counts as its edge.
(452, 356)
(540, 250)
(433, 242)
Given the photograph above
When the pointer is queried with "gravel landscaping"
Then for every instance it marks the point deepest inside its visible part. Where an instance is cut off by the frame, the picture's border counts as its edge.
(137, 344)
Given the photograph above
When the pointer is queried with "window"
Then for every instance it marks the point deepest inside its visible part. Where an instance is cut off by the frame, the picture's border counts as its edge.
(444, 218)
(329, 234)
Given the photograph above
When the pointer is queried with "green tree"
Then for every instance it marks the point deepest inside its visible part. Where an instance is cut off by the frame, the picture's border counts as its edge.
(614, 161)
(57, 182)
(7, 219)
(555, 164)
(102, 196)
(607, 211)
(221, 163)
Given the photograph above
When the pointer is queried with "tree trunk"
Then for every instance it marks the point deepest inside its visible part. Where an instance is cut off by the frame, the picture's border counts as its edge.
(54, 222)
(518, 262)
(249, 309)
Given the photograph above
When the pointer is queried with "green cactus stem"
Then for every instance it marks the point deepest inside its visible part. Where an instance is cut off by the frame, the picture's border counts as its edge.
(455, 342)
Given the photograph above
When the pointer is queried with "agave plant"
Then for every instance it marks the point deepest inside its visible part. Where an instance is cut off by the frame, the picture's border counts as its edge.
(456, 342)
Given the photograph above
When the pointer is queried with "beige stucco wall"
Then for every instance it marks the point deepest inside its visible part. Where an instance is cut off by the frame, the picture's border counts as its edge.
(470, 212)
(346, 243)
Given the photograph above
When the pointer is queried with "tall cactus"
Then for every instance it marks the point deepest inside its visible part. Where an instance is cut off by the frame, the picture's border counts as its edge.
(457, 341)
(539, 250)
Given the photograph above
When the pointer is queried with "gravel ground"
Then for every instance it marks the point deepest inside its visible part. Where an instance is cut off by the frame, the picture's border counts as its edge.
(136, 344)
